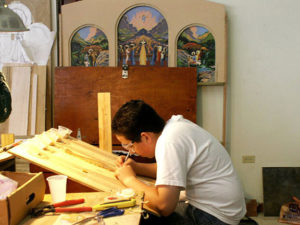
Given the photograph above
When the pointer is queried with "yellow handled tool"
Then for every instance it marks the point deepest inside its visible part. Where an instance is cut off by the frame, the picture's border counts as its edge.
(119, 205)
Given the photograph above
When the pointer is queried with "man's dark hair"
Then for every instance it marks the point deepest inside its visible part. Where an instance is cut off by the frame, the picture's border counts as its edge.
(135, 117)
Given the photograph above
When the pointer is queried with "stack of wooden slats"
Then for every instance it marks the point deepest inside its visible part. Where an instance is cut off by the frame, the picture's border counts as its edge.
(28, 91)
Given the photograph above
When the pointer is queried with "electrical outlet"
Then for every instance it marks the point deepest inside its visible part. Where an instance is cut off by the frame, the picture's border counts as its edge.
(248, 159)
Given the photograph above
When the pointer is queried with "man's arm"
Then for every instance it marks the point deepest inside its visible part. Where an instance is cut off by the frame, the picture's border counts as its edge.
(162, 199)
(145, 169)
(142, 169)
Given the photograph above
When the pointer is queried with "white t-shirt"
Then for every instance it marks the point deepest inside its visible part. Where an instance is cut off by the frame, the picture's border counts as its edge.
(189, 157)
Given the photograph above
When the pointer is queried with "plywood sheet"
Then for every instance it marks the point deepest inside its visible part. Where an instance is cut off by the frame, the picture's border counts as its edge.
(41, 72)
(20, 89)
(179, 15)
(40, 10)
(169, 90)
(80, 161)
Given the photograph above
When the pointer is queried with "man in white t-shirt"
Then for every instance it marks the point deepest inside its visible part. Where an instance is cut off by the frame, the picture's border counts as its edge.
(187, 158)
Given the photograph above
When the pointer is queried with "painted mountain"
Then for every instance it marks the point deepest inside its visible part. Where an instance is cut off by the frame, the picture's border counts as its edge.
(143, 38)
(196, 48)
(89, 47)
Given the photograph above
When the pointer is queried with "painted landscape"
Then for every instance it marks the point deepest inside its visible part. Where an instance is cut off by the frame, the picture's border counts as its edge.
(143, 38)
(89, 47)
(196, 48)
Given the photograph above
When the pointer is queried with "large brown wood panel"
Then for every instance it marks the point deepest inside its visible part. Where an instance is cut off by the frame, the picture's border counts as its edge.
(169, 90)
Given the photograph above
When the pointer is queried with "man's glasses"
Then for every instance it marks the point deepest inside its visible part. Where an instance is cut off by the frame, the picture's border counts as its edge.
(129, 147)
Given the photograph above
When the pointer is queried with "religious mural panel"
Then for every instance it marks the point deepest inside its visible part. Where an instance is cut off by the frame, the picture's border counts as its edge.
(143, 38)
(89, 47)
(196, 48)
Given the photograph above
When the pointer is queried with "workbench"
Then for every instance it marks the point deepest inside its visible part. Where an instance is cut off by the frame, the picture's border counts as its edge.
(131, 216)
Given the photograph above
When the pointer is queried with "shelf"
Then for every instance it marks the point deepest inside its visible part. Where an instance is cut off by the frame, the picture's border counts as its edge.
(211, 84)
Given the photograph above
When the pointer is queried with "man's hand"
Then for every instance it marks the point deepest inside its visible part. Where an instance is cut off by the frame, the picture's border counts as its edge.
(142, 169)
(125, 174)
(121, 162)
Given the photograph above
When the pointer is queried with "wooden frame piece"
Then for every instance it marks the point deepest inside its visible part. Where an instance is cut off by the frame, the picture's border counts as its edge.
(104, 121)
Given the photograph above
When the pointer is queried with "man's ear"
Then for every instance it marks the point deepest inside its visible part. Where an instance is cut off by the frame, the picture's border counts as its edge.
(146, 136)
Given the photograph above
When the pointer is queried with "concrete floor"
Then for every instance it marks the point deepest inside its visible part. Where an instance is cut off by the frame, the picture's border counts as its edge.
(261, 220)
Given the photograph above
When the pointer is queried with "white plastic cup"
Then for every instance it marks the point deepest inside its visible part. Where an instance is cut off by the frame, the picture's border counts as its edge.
(57, 186)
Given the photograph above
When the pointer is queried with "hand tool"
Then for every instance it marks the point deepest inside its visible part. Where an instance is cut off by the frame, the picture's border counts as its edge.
(35, 212)
(119, 204)
(128, 154)
(7, 147)
(113, 211)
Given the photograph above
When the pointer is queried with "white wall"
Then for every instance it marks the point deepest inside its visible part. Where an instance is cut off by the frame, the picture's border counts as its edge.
(264, 87)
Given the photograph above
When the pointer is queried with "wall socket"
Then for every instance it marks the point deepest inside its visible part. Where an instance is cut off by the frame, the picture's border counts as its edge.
(248, 159)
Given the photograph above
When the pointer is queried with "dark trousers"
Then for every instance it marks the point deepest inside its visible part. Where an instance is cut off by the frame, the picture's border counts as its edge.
(184, 214)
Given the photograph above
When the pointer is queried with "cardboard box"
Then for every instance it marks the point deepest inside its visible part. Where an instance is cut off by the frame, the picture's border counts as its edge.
(30, 192)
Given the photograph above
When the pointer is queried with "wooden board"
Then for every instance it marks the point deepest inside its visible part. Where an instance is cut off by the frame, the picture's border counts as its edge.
(41, 72)
(104, 121)
(179, 15)
(32, 105)
(168, 90)
(78, 160)
(29, 105)
(20, 89)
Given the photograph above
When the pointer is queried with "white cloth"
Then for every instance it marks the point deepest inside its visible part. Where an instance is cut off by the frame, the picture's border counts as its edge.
(189, 157)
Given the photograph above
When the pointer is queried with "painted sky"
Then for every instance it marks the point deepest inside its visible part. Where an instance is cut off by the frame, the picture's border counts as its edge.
(88, 32)
(144, 17)
(197, 31)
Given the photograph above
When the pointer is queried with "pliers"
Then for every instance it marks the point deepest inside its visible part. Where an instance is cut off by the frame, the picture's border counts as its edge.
(35, 212)
(113, 211)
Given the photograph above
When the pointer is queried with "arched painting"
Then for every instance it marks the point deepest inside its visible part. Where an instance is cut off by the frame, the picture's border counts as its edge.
(89, 47)
(143, 38)
(196, 48)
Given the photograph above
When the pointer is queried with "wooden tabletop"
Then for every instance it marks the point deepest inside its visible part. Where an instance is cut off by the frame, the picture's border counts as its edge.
(132, 215)
(4, 156)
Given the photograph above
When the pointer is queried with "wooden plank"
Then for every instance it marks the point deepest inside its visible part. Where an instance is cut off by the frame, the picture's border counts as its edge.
(5, 156)
(41, 98)
(104, 121)
(7, 139)
(20, 86)
(169, 90)
(32, 105)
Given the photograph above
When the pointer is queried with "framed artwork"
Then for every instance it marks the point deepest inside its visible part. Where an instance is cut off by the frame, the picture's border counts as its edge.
(196, 48)
(89, 47)
(143, 38)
